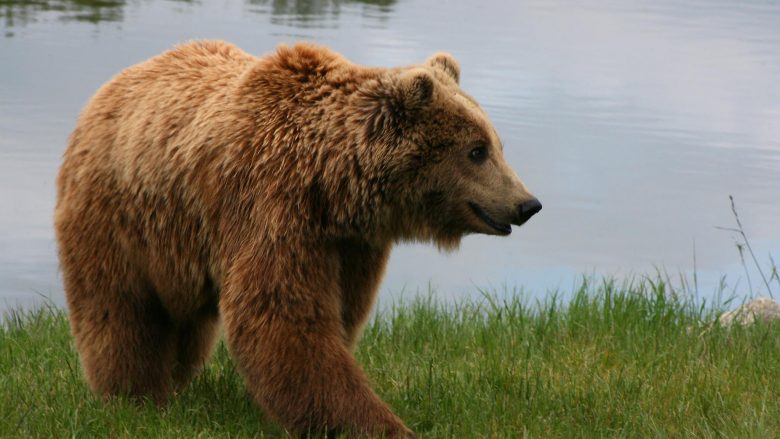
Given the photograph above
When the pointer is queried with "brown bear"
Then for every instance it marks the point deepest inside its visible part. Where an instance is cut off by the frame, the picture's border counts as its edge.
(209, 185)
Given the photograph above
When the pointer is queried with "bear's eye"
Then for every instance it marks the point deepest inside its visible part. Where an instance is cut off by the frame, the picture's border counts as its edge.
(478, 154)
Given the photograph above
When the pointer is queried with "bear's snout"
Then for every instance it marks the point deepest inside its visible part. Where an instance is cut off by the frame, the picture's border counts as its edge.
(527, 209)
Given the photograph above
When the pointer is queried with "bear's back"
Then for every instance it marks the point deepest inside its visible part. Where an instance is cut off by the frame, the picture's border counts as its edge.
(137, 127)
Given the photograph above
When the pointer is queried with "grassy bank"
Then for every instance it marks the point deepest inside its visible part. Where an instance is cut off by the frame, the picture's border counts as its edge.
(612, 361)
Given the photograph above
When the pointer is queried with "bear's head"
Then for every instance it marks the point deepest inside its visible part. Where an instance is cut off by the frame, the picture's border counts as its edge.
(440, 157)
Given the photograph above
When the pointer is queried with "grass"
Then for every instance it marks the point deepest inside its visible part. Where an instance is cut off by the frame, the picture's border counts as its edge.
(617, 360)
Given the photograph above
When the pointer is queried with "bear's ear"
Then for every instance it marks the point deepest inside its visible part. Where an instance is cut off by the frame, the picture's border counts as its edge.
(395, 100)
(414, 89)
(446, 63)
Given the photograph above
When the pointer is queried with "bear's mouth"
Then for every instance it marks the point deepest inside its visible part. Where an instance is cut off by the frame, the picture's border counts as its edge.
(501, 228)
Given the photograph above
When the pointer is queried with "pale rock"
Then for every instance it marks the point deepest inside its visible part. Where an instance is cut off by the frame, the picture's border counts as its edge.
(763, 308)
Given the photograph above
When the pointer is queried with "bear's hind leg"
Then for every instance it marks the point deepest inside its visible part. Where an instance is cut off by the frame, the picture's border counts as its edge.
(126, 344)
(194, 343)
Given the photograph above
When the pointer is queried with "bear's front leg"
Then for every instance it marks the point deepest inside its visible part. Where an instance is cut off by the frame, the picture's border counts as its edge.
(283, 323)
(362, 267)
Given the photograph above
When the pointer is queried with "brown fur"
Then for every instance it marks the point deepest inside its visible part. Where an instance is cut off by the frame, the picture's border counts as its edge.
(207, 183)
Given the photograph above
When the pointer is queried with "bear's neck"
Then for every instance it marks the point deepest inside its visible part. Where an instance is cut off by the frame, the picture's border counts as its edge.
(309, 153)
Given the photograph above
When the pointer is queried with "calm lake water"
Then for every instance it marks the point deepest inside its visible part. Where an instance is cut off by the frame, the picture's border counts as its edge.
(631, 121)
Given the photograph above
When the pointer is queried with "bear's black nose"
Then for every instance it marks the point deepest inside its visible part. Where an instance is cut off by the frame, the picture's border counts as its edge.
(528, 209)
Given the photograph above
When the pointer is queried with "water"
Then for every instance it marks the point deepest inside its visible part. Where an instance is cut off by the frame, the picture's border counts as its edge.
(632, 122)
